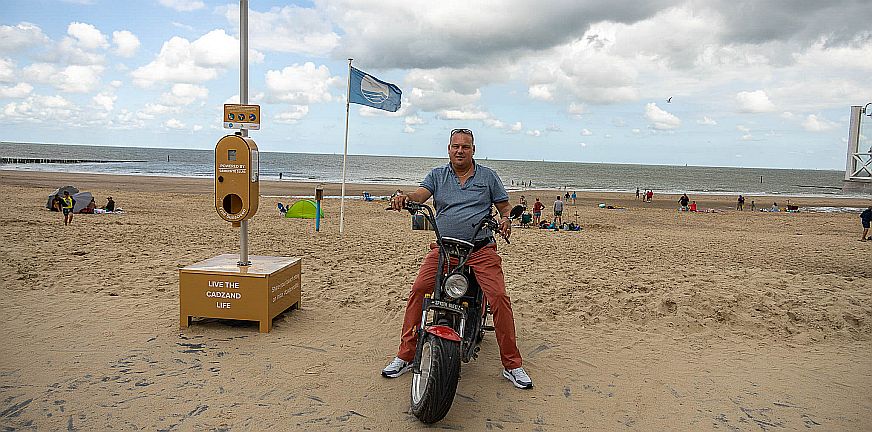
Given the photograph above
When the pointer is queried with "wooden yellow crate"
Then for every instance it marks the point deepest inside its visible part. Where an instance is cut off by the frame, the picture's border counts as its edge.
(218, 288)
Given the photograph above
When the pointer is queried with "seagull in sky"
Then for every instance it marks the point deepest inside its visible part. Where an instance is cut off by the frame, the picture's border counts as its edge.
(669, 100)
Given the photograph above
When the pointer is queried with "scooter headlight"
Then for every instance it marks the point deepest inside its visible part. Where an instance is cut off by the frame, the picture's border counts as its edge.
(455, 286)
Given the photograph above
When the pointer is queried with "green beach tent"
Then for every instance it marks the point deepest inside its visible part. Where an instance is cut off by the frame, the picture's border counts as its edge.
(303, 209)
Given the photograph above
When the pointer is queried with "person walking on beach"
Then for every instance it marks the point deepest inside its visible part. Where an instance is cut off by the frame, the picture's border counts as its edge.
(866, 219)
(558, 212)
(683, 202)
(573, 197)
(67, 203)
(463, 192)
(649, 195)
(740, 203)
(753, 207)
(537, 211)
(637, 193)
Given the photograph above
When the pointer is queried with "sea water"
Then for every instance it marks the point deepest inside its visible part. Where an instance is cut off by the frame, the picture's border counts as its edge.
(516, 175)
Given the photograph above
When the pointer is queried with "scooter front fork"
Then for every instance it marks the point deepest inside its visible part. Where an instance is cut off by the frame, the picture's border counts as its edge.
(420, 333)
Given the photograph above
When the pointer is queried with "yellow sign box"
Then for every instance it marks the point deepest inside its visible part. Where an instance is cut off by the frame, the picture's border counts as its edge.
(237, 185)
(219, 288)
(238, 116)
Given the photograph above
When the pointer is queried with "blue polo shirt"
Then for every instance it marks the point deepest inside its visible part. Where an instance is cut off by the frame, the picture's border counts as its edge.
(458, 208)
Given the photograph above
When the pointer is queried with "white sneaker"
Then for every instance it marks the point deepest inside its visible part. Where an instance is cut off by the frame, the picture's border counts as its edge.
(396, 368)
(518, 377)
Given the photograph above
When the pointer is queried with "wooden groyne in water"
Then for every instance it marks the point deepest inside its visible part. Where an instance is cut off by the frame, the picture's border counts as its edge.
(24, 160)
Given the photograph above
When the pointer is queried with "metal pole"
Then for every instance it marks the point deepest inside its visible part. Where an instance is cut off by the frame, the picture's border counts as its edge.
(243, 99)
(853, 140)
(345, 153)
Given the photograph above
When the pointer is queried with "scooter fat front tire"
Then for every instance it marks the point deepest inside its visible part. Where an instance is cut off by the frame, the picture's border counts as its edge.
(434, 388)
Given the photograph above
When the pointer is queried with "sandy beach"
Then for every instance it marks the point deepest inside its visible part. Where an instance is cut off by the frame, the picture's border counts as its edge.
(647, 319)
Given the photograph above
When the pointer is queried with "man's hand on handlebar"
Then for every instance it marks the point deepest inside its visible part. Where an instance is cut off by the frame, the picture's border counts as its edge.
(398, 202)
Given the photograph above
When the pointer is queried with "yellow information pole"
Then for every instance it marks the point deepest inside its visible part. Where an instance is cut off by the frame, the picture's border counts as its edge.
(258, 289)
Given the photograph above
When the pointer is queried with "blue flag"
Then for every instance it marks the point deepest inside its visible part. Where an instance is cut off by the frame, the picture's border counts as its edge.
(371, 91)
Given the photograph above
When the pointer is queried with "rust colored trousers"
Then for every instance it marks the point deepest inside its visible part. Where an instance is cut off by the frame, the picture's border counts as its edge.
(488, 271)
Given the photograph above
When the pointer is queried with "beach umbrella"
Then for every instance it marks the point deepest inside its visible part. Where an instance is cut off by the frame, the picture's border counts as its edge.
(60, 192)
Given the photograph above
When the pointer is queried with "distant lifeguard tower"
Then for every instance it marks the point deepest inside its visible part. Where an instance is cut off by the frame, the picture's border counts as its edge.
(858, 172)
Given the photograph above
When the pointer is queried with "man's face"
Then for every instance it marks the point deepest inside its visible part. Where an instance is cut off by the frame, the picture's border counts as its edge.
(461, 149)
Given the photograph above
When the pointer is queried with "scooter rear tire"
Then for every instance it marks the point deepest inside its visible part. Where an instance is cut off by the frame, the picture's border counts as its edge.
(441, 385)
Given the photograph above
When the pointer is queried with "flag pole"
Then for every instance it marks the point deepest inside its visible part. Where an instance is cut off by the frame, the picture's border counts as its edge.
(345, 153)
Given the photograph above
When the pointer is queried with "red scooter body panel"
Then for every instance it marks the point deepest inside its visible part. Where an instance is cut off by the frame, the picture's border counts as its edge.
(443, 332)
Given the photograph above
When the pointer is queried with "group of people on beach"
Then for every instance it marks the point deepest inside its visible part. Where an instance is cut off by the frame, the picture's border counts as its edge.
(646, 196)
(557, 211)
(66, 203)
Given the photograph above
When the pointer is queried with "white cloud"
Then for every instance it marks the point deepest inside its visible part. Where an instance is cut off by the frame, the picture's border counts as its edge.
(494, 123)
(49, 110)
(409, 123)
(586, 132)
(182, 26)
(155, 109)
(743, 128)
(182, 61)
(443, 89)
(71, 79)
(183, 5)
(7, 70)
(296, 113)
(534, 132)
(126, 43)
(290, 29)
(516, 127)
(754, 102)
(184, 94)
(659, 118)
(475, 114)
(463, 115)
(87, 35)
(78, 79)
(540, 92)
(814, 123)
(413, 120)
(105, 100)
(174, 124)
(300, 84)
(636, 131)
(576, 110)
(707, 121)
(17, 91)
(22, 36)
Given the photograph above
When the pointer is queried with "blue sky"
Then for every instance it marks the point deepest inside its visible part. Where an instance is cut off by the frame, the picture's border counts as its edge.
(753, 84)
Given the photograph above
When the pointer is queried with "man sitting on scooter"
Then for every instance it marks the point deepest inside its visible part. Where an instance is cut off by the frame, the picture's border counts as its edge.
(463, 193)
